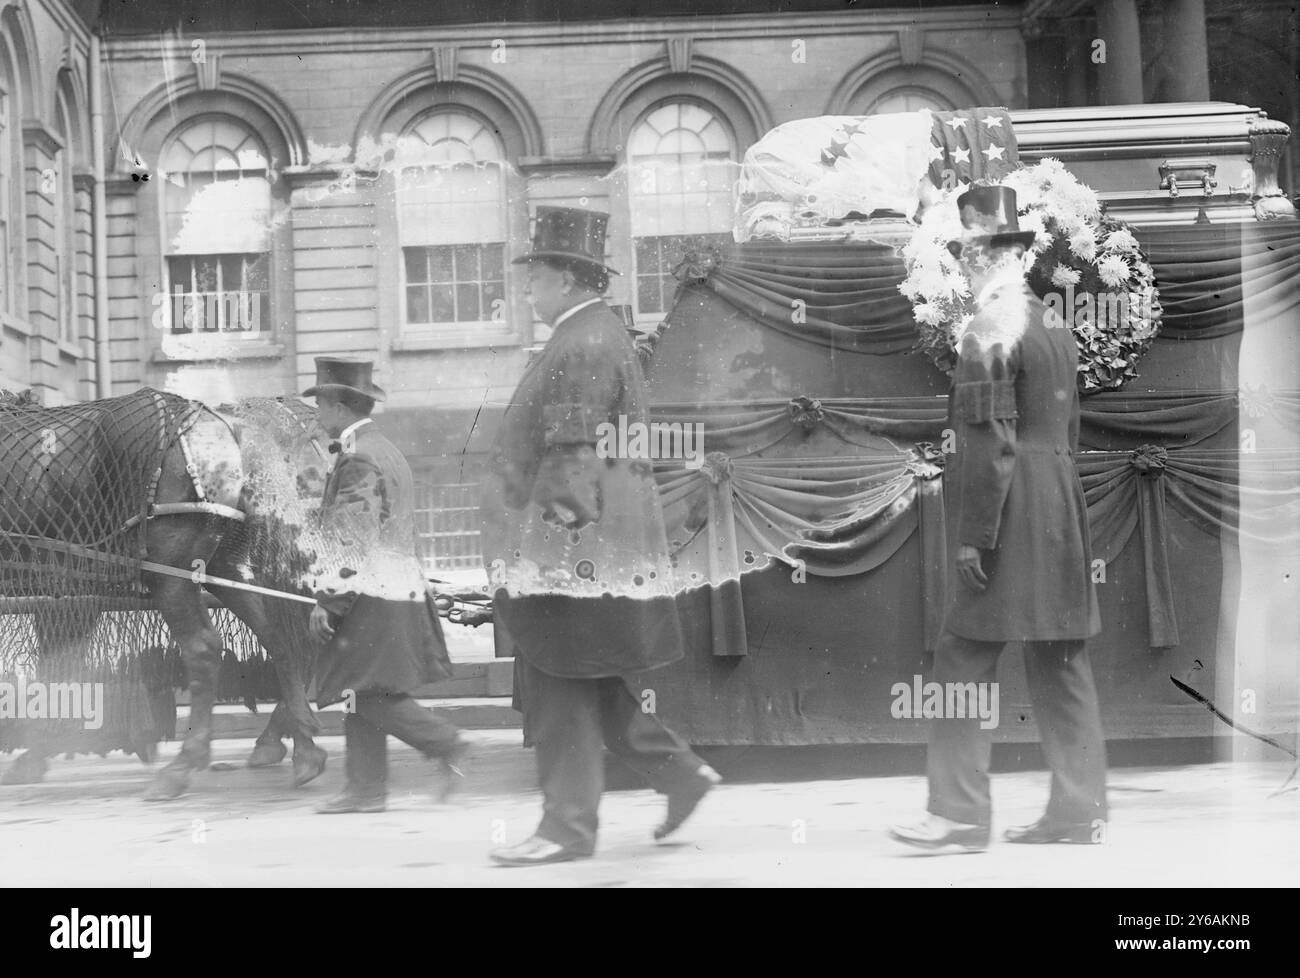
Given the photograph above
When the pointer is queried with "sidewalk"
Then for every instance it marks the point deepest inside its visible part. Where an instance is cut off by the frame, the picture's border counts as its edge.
(1206, 825)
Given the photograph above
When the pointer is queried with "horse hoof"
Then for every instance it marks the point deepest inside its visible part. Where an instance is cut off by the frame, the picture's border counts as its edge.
(308, 763)
(25, 770)
(167, 785)
(267, 755)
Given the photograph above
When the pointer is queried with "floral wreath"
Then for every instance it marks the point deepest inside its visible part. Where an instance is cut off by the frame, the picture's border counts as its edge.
(1086, 266)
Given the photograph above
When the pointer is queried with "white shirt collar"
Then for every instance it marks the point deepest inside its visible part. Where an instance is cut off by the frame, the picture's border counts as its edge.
(570, 311)
(347, 432)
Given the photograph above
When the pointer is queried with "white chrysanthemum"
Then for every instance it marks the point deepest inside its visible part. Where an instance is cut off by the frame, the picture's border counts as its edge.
(1063, 275)
(1083, 244)
(1121, 240)
(1114, 270)
(928, 313)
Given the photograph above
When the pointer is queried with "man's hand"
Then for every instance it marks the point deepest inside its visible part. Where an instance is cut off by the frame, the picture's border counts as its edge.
(969, 569)
(319, 625)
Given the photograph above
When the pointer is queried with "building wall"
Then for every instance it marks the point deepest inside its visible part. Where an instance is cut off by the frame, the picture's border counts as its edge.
(561, 97)
(45, 325)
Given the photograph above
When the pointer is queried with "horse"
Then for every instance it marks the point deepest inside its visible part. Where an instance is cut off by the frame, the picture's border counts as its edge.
(213, 495)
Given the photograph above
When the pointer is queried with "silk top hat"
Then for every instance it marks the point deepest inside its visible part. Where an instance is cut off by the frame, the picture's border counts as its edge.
(569, 234)
(344, 374)
(989, 216)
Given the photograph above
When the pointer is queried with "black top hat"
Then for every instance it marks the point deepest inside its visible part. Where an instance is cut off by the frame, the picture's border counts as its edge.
(989, 216)
(569, 234)
(346, 374)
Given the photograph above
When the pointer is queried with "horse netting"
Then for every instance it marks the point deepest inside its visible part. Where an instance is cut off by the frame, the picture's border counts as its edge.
(77, 484)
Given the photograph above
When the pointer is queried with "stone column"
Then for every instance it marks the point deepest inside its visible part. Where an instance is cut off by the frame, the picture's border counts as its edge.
(1186, 54)
(1120, 77)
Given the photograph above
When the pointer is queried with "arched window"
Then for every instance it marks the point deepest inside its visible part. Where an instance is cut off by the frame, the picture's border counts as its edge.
(451, 221)
(681, 179)
(65, 214)
(908, 98)
(216, 215)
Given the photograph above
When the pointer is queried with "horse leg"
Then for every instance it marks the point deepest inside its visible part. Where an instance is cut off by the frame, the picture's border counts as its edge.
(269, 749)
(179, 603)
(293, 715)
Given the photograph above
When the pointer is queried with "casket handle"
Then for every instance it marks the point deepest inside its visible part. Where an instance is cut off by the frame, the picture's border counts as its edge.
(1176, 172)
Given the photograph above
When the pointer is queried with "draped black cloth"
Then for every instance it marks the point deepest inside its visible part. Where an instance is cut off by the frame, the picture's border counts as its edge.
(755, 502)
(846, 294)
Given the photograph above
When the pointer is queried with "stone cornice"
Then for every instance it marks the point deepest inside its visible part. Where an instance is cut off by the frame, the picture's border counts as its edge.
(356, 41)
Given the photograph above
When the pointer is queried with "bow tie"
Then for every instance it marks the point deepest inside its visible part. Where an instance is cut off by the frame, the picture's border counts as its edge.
(335, 447)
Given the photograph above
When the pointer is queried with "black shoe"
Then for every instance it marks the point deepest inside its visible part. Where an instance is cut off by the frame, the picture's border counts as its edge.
(453, 776)
(685, 800)
(536, 851)
(934, 833)
(1048, 829)
(347, 803)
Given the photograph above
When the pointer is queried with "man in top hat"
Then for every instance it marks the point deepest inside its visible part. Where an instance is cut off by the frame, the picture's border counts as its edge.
(1018, 530)
(578, 556)
(373, 611)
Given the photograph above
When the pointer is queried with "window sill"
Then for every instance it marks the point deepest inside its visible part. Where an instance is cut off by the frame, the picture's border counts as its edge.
(75, 351)
(460, 336)
(215, 353)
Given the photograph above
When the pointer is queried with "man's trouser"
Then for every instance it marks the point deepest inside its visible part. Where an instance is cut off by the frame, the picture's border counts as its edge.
(366, 731)
(569, 720)
(1065, 707)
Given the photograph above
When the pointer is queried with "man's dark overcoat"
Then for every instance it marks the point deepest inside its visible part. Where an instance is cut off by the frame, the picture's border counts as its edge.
(388, 637)
(1011, 488)
(595, 601)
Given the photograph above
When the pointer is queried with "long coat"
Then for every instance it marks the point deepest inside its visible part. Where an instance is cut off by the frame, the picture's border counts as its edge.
(1011, 488)
(596, 600)
(388, 637)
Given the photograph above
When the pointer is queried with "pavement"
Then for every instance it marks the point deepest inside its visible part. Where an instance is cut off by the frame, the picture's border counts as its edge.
(1193, 825)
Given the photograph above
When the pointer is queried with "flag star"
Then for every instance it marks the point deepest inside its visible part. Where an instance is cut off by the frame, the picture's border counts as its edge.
(992, 122)
(962, 155)
(936, 152)
(994, 152)
(956, 123)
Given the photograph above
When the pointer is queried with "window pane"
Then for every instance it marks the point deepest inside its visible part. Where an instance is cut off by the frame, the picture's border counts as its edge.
(416, 266)
(205, 273)
(647, 294)
(440, 264)
(417, 304)
(441, 304)
(467, 304)
(466, 263)
(494, 305)
(257, 272)
(494, 262)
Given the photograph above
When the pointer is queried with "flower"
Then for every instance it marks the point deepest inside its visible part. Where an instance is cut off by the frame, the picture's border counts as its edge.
(1114, 270)
(1083, 244)
(1063, 276)
(928, 313)
(1121, 240)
